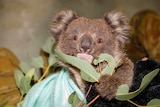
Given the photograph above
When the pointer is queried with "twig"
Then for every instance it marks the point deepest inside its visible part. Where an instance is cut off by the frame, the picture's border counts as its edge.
(88, 90)
(92, 101)
(21, 98)
(45, 73)
(81, 103)
(135, 104)
(120, 59)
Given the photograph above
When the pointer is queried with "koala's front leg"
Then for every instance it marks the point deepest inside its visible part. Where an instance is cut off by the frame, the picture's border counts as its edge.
(108, 85)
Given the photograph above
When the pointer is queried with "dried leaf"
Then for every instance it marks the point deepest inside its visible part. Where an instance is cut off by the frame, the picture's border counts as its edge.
(145, 26)
(9, 106)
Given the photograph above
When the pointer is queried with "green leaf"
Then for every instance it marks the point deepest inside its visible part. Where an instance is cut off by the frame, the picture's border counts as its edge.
(52, 59)
(104, 57)
(24, 67)
(86, 76)
(71, 97)
(25, 85)
(30, 74)
(154, 102)
(123, 89)
(74, 100)
(20, 104)
(84, 66)
(145, 81)
(48, 46)
(38, 62)
(109, 70)
(18, 75)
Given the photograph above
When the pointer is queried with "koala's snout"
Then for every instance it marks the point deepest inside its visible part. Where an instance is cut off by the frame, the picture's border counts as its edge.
(86, 44)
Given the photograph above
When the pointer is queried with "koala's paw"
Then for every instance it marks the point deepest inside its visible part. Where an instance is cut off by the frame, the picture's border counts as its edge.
(107, 87)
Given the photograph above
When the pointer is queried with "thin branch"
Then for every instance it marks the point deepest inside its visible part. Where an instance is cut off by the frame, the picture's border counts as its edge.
(81, 103)
(88, 91)
(136, 104)
(92, 101)
(45, 73)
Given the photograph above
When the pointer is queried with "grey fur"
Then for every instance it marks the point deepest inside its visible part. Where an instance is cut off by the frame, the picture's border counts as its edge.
(119, 25)
(61, 21)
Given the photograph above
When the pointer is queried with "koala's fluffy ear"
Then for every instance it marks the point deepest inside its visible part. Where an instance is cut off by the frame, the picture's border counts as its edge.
(119, 25)
(61, 21)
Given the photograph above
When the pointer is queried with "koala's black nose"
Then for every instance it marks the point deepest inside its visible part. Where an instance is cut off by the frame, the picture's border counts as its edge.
(86, 43)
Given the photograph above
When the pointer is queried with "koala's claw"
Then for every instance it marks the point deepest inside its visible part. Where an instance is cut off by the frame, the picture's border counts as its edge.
(107, 87)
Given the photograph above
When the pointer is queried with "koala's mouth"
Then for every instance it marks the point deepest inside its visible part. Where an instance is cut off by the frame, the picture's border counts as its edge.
(86, 57)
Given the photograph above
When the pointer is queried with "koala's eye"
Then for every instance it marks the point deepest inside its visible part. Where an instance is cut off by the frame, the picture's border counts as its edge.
(99, 40)
(75, 37)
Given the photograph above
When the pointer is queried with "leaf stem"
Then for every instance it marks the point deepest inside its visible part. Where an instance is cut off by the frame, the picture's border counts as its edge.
(81, 103)
(45, 73)
(135, 104)
(21, 98)
(92, 101)
(120, 59)
(88, 90)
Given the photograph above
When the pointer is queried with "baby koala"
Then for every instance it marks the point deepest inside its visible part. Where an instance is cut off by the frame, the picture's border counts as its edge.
(87, 38)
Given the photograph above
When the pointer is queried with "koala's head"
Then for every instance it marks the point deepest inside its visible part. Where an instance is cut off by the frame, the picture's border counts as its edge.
(88, 38)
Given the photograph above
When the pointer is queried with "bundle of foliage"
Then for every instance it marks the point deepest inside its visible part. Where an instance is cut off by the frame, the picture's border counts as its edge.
(25, 76)
(148, 96)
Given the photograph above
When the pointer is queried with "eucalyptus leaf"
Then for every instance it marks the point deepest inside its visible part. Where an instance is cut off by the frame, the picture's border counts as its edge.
(48, 46)
(25, 85)
(24, 67)
(154, 102)
(38, 62)
(30, 74)
(18, 75)
(80, 64)
(109, 69)
(87, 77)
(104, 57)
(20, 104)
(74, 100)
(52, 59)
(71, 97)
(145, 81)
(123, 89)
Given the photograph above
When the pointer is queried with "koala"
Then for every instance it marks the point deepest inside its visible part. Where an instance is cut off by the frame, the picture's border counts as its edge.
(87, 38)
